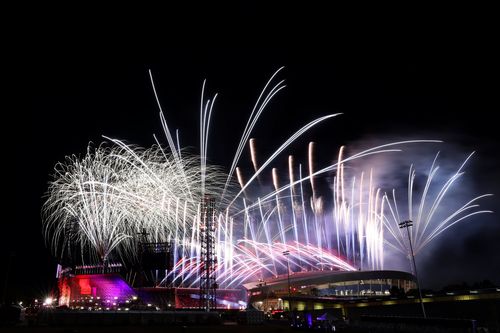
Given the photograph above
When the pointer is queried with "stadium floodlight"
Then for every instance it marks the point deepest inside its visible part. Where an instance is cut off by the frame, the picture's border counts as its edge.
(407, 224)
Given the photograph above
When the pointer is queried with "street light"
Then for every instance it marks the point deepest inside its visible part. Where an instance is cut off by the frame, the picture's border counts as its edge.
(407, 224)
(286, 254)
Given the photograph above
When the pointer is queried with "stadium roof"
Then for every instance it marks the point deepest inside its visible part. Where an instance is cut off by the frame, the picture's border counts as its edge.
(321, 277)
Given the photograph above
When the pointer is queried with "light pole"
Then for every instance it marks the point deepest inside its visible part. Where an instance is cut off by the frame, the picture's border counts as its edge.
(286, 254)
(407, 224)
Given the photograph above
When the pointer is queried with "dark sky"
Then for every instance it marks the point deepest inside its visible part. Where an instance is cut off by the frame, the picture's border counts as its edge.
(411, 76)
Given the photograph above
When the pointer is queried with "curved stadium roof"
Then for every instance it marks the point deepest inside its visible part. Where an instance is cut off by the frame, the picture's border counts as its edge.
(321, 277)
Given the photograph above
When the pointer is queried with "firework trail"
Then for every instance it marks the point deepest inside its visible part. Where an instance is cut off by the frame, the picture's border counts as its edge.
(429, 218)
(104, 199)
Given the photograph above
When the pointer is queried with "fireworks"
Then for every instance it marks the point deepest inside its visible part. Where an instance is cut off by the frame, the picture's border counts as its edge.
(428, 221)
(103, 200)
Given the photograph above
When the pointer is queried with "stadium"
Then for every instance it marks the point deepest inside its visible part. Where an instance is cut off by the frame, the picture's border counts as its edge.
(272, 294)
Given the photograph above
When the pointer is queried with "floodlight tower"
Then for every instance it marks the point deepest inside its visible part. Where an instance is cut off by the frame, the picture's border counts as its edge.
(407, 224)
(286, 254)
(208, 279)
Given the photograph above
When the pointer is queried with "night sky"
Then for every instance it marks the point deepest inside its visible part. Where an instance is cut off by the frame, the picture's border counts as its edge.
(426, 76)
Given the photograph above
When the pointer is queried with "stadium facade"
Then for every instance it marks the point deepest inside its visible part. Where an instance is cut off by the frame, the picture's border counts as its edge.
(272, 294)
(111, 292)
